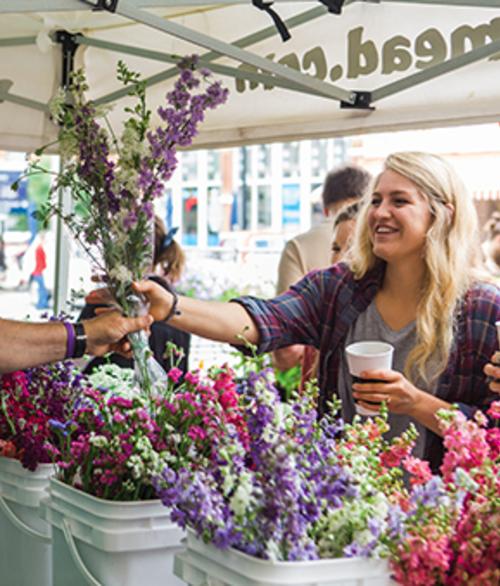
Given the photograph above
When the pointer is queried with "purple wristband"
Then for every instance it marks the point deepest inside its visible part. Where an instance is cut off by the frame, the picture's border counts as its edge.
(70, 339)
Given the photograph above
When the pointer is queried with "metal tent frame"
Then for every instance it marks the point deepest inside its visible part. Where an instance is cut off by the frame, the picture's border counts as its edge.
(262, 70)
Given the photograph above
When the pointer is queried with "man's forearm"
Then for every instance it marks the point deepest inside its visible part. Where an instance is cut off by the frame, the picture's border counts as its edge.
(23, 345)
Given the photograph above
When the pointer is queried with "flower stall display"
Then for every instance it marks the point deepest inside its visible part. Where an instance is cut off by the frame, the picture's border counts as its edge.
(279, 497)
(110, 451)
(303, 495)
(115, 179)
(29, 402)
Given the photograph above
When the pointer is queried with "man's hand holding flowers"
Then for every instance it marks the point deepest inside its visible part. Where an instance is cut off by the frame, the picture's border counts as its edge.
(107, 332)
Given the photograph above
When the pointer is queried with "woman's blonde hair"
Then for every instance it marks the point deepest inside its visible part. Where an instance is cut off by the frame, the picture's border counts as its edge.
(452, 254)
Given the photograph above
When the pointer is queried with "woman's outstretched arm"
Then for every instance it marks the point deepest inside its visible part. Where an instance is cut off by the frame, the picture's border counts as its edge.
(223, 322)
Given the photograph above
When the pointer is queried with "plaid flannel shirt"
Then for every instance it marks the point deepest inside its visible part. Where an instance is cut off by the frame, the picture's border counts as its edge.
(319, 310)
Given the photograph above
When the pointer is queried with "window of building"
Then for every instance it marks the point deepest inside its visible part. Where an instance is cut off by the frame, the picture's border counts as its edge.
(319, 158)
(189, 165)
(264, 206)
(263, 161)
(190, 216)
(213, 166)
(291, 160)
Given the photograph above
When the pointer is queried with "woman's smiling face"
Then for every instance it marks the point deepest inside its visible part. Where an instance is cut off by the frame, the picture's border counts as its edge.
(398, 219)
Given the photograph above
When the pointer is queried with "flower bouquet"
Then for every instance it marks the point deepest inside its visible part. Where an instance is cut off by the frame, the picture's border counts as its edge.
(31, 402)
(115, 180)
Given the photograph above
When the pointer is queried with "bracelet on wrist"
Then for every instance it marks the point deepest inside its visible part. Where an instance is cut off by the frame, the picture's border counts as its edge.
(173, 310)
(70, 339)
(80, 340)
(168, 287)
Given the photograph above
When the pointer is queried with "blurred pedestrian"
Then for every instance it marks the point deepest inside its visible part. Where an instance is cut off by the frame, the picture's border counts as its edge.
(37, 275)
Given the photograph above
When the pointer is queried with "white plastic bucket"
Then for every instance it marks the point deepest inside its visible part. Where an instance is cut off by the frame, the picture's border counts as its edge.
(25, 541)
(105, 543)
(205, 565)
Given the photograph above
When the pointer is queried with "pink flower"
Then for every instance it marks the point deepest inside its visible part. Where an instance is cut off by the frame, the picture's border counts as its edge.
(419, 470)
(192, 378)
(228, 399)
(174, 374)
(394, 455)
(494, 410)
(197, 433)
(423, 559)
(120, 402)
(118, 417)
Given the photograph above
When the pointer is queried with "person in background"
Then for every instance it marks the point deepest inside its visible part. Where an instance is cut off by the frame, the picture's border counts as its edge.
(491, 248)
(343, 231)
(413, 278)
(311, 250)
(37, 273)
(24, 345)
(168, 264)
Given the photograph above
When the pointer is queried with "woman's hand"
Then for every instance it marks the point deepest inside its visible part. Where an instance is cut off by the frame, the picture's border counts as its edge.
(159, 299)
(493, 371)
(397, 391)
(401, 397)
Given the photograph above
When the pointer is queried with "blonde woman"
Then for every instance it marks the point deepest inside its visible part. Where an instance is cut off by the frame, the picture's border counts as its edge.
(412, 280)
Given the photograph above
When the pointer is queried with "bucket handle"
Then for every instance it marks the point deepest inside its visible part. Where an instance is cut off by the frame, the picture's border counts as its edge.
(21, 525)
(76, 556)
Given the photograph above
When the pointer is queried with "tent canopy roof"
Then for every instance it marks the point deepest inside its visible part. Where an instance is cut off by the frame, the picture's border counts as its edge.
(339, 74)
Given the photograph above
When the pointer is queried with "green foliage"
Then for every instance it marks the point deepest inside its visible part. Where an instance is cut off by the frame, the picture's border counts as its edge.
(288, 381)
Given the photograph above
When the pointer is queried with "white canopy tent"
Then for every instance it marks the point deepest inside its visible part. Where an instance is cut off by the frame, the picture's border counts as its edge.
(365, 66)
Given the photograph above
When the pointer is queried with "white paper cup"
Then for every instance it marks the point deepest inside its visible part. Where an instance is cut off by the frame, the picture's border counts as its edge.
(368, 356)
(497, 323)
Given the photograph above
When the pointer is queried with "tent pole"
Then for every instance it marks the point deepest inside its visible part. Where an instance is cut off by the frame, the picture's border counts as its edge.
(64, 196)
(436, 71)
(234, 72)
(20, 6)
(6, 96)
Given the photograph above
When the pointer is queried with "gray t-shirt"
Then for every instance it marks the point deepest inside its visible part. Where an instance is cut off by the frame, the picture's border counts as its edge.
(371, 326)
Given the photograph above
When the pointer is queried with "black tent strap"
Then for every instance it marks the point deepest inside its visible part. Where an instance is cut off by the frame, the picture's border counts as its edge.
(334, 6)
(69, 47)
(278, 23)
(109, 5)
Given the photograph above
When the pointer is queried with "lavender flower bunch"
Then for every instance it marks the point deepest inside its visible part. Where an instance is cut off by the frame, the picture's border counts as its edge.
(114, 181)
